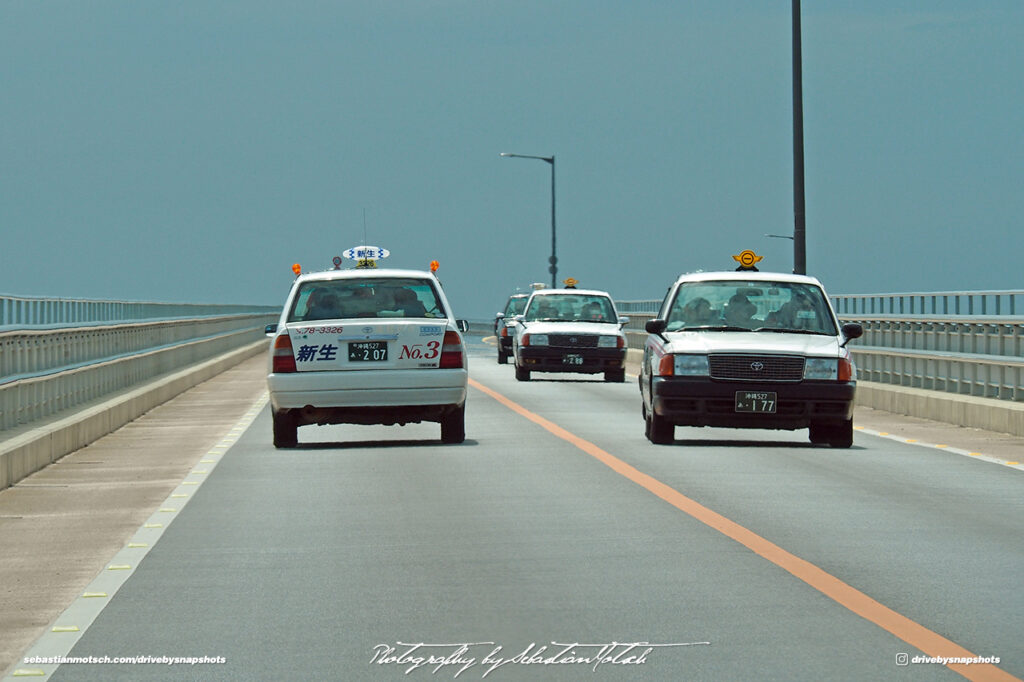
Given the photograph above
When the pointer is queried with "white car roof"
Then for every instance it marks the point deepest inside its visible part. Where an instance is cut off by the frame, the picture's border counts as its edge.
(364, 273)
(585, 292)
(747, 276)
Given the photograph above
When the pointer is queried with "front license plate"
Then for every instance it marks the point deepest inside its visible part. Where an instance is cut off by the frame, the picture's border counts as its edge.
(756, 401)
(367, 351)
(572, 359)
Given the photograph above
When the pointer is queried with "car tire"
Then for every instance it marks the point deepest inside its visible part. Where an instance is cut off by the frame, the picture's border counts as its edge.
(616, 376)
(502, 357)
(659, 430)
(453, 425)
(286, 430)
(841, 435)
(819, 433)
(522, 374)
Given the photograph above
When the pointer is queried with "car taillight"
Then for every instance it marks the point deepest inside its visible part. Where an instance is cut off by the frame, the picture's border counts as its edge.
(504, 331)
(451, 351)
(847, 372)
(284, 360)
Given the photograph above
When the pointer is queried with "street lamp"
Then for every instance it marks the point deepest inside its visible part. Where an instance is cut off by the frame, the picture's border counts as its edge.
(553, 268)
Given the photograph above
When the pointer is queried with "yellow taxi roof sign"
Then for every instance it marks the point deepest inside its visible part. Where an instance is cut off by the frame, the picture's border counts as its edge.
(570, 283)
(748, 260)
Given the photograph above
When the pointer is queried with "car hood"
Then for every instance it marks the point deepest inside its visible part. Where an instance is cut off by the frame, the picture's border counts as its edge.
(571, 328)
(752, 342)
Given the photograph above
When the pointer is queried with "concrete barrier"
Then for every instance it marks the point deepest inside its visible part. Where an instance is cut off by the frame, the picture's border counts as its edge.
(1001, 416)
(29, 451)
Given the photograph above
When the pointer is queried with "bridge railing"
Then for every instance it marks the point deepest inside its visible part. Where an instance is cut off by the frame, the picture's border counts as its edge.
(910, 341)
(57, 354)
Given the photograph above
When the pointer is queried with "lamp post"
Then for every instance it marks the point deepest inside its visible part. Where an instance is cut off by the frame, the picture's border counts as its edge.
(553, 268)
(799, 233)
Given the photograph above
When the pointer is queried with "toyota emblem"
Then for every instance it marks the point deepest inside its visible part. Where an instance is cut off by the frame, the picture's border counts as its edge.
(757, 366)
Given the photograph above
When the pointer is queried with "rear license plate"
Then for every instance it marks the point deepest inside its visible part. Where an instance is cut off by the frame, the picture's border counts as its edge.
(756, 401)
(572, 359)
(367, 351)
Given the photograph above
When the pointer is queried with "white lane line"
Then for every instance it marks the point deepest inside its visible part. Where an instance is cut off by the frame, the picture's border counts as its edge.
(65, 631)
(1012, 464)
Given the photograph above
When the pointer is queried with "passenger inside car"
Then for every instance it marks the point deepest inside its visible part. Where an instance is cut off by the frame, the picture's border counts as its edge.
(739, 311)
(408, 303)
(323, 305)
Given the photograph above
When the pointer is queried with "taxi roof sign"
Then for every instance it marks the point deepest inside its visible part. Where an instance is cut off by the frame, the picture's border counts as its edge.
(366, 253)
(570, 282)
(748, 260)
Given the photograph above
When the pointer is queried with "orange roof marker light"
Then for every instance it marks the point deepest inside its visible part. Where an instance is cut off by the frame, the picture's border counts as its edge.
(434, 265)
(297, 269)
(748, 260)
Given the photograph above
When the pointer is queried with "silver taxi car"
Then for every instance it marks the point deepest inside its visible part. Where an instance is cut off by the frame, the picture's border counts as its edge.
(367, 346)
(749, 349)
(570, 330)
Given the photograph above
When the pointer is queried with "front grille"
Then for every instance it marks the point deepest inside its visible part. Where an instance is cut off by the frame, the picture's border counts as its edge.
(756, 367)
(573, 340)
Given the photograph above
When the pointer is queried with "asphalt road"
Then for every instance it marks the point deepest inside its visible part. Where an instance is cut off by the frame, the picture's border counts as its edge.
(554, 538)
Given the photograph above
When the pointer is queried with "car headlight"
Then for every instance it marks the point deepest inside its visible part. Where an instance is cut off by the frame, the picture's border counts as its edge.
(690, 365)
(823, 369)
(536, 340)
(606, 341)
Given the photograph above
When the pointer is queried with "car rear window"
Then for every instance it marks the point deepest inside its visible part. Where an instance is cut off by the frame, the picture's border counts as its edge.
(366, 298)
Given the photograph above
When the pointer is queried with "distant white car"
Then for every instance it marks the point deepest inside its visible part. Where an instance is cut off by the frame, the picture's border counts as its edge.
(749, 349)
(570, 330)
(367, 346)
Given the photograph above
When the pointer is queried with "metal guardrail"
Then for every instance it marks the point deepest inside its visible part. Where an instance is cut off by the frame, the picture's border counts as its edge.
(39, 311)
(47, 366)
(977, 349)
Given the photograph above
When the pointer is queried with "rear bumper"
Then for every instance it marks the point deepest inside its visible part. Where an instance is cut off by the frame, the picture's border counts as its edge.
(702, 402)
(397, 388)
(548, 359)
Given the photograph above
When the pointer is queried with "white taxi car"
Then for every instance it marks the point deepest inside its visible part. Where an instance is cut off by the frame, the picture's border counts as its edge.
(749, 349)
(367, 346)
(570, 330)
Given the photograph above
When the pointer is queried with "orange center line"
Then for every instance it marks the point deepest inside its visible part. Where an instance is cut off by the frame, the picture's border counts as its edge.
(911, 632)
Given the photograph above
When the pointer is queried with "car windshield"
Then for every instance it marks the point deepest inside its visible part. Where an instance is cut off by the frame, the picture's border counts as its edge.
(366, 298)
(515, 306)
(570, 308)
(731, 305)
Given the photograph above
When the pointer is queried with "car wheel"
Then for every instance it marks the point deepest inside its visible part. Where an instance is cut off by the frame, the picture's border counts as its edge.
(617, 376)
(502, 357)
(453, 425)
(659, 430)
(819, 433)
(522, 374)
(842, 435)
(286, 430)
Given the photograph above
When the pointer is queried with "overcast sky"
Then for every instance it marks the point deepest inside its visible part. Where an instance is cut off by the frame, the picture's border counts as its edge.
(194, 150)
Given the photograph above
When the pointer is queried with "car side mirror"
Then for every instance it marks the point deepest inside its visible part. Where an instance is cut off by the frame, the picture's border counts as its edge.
(623, 320)
(519, 318)
(851, 330)
(499, 316)
(655, 326)
(270, 329)
(462, 325)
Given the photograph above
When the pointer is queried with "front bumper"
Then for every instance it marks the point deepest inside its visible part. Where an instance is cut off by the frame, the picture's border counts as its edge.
(699, 401)
(577, 360)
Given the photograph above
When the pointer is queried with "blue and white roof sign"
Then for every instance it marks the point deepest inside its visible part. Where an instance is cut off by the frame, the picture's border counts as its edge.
(366, 253)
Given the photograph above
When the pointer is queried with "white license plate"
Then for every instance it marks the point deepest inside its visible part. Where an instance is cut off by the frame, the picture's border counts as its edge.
(756, 401)
(572, 359)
